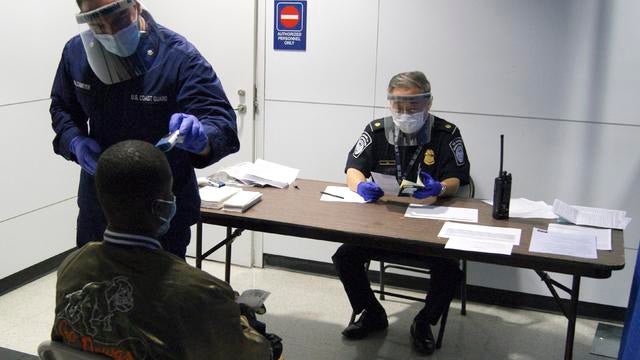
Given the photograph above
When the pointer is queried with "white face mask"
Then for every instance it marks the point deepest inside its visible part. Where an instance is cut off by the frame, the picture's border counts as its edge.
(409, 123)
(124, 42)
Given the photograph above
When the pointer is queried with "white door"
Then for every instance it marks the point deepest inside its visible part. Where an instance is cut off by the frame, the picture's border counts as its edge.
(224, 32)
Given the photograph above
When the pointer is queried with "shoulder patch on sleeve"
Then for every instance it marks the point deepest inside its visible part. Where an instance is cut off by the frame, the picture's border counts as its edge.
(363, 142)
(457, 147)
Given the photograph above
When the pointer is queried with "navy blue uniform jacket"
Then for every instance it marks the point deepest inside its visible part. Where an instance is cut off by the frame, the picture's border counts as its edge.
(180, 80)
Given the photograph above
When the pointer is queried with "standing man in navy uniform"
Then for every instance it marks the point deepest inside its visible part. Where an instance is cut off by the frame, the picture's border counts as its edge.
(412, 145)
(127, 77)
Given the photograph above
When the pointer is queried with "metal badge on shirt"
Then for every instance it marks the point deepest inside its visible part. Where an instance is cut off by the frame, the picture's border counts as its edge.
(429, 157)
(457, 148)
(364, 141)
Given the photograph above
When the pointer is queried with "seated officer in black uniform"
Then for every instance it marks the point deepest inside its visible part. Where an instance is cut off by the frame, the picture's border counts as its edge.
(412, 144)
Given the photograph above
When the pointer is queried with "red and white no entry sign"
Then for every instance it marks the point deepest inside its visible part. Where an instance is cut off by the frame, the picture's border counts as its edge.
(289, 17)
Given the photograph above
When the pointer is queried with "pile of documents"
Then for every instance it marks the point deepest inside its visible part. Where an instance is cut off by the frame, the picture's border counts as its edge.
(241, 201)
(480, 238)
(263, 173)
(229, 198)
(582, 215)
(216, 196)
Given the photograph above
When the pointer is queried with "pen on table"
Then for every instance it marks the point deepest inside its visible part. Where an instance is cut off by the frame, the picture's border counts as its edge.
(334, 195)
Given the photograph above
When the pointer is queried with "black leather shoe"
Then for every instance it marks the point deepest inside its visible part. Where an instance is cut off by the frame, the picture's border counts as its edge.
(422, 337)
(367, 323)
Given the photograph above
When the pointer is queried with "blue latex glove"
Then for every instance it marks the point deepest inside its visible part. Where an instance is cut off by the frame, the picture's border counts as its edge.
(195, 140)
(86, 151)
(369, 191)
(431, 187)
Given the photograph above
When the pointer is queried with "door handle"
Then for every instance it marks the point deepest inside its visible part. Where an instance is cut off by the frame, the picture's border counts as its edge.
(242, 108)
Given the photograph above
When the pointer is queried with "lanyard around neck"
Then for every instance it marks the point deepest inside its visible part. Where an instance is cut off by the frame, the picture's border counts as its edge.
(399, 174)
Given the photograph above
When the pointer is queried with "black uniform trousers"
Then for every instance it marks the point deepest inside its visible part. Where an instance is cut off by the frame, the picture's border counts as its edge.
(349, 261)
(91, 222)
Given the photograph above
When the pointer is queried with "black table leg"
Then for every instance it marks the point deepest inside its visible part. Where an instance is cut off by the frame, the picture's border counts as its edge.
(199, 244)
(227, 261)
(573, 313)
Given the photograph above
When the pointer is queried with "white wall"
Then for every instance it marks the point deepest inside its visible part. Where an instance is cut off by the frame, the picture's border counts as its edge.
(37, 188)
(558, 78)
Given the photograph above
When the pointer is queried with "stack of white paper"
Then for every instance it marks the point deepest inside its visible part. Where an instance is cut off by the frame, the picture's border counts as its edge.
(242, 201)
(525, 208)
(263, 173)
(216, 196)
(441, 213)
(582, 215)
(480, 238)
(568, 244)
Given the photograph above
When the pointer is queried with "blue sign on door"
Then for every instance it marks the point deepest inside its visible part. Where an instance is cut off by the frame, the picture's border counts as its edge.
(290, 25)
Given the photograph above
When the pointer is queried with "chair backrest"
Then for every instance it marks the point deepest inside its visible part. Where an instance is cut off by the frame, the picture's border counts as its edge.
(53, 350)
(467, 191)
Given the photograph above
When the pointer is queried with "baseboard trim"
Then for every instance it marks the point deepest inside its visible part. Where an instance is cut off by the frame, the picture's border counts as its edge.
(478, 294)
(31, 273)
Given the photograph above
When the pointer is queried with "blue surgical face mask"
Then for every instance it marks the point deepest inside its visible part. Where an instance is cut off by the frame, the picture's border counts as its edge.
(165, 211)
(124, 42)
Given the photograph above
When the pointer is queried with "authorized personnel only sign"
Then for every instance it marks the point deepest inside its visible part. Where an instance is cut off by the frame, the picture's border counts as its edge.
(290, 25)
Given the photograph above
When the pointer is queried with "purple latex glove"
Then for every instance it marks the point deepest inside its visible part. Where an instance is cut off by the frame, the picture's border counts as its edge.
(195, 140)
(369, 191)
(86, 151)
(431, 187)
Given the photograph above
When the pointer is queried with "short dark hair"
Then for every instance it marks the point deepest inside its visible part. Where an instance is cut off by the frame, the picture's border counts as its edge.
(410, 79)
(130, 175)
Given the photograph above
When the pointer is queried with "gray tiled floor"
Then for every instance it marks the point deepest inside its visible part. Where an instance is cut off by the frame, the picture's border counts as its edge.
(309, 312)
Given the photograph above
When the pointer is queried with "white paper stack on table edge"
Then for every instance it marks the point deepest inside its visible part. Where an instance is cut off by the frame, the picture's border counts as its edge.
(441, 213)
(564, 243)
(263, 173)
(216, 196)
(242, 201)
(480, 238)
(582, 215)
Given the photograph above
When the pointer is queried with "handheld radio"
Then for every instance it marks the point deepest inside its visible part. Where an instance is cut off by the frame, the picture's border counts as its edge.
(501, 189)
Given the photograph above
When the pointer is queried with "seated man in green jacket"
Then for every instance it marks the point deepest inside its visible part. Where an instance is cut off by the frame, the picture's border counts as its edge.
(127, 298)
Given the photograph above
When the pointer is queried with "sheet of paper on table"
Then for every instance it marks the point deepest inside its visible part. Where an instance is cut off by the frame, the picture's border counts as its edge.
(342, 194)
(603, 236)
(478, 245)
(441, 213)
(569, 244)
(481, 232)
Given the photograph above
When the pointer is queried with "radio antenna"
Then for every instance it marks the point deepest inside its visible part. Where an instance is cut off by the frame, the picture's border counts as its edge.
(501, 152)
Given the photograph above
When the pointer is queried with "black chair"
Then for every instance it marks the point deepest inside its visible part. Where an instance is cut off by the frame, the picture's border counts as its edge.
(414, 264)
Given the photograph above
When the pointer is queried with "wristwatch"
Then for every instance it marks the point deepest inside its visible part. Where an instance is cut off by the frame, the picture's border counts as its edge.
(444, 189)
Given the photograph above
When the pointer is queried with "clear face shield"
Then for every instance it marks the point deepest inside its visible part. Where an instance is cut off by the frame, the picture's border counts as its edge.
(112, 35)
(410, 123)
